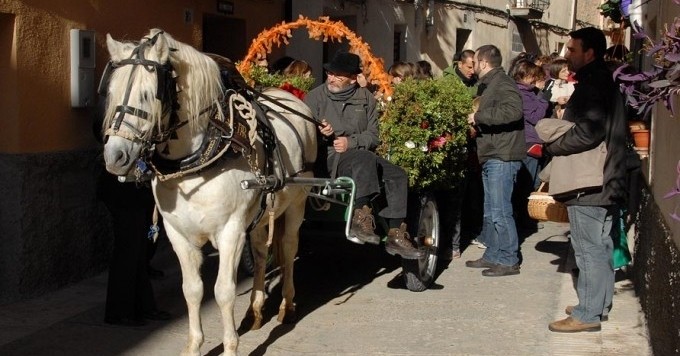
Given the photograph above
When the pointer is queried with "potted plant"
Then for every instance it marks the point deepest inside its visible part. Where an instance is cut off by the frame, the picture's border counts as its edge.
(424, 130)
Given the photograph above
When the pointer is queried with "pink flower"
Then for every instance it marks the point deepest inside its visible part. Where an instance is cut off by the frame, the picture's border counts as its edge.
(437, 143)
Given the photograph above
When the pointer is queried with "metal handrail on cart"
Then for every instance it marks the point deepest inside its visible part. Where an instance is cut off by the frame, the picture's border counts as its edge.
(331, 189)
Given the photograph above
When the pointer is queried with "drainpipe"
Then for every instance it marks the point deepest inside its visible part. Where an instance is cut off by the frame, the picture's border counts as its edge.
(572, 24)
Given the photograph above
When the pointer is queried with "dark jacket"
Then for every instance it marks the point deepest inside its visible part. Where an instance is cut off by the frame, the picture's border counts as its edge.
(534, 107)
(356, 117)
(597, 109)
(499, 119)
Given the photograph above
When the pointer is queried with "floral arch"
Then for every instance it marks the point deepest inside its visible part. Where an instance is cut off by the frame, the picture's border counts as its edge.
(322, 29)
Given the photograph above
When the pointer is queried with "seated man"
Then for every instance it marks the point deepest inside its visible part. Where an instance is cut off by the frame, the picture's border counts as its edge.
(350, 133)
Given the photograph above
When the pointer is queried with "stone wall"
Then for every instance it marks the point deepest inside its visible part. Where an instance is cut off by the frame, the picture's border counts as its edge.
(656, 275)
(53, 229)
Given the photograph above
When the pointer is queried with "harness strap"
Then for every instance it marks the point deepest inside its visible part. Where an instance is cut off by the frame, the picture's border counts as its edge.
(124, 134)
(125, 109)
(284, 119)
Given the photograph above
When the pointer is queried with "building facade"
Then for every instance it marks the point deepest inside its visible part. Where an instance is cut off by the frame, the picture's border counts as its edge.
(55, 231)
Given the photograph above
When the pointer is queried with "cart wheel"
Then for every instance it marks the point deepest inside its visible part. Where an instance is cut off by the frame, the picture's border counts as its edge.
(247, 264)
(418, 274)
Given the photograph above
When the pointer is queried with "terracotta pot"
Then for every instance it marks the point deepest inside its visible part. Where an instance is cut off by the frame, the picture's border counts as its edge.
(641, 138)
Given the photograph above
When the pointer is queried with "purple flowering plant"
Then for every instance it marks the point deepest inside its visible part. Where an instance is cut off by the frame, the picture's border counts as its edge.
(661, 83)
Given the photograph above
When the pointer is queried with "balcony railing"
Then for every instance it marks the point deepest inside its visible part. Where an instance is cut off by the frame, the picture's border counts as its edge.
(529, 9)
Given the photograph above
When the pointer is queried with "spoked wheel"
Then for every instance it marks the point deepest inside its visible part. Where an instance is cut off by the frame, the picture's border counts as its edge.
(418, 274)
(247, 264)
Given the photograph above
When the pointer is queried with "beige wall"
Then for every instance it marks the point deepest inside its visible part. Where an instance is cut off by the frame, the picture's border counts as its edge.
(35, 58)
(661, 167)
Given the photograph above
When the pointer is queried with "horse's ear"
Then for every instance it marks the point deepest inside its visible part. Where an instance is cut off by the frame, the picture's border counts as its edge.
(162, 48)
(115, 48)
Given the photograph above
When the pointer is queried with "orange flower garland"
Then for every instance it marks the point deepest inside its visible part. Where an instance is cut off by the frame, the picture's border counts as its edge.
(322, 29)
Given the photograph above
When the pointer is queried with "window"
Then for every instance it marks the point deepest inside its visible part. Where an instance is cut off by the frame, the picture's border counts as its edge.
(517, 45)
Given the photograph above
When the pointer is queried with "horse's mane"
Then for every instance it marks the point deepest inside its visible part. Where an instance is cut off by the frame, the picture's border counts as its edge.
(198, 78)
(197, 75)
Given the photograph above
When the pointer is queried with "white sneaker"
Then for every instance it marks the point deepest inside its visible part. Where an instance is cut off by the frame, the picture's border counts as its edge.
(479, 244)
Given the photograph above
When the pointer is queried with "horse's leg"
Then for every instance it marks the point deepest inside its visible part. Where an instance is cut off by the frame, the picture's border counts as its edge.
(190, 260)
(230, 244)
(258, 242)
(287, 250)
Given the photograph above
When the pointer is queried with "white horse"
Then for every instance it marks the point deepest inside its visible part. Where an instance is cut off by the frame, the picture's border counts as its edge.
(164, 105)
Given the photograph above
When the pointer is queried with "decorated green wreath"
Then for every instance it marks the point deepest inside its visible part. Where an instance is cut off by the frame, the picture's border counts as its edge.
(424, 129)
(263, 78)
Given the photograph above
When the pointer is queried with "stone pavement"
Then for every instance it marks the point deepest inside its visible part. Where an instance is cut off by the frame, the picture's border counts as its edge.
(351, 301)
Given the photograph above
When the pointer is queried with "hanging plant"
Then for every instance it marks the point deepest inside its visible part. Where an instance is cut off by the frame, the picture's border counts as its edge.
(323, 29)
(662, 82)
(424, 130)
(617, 10)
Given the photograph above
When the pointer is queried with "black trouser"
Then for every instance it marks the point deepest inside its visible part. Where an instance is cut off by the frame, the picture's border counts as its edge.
(367, 170)
(129, 293)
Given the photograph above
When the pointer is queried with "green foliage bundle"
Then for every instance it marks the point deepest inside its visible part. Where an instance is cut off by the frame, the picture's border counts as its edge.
(262, 77)
(424, 130)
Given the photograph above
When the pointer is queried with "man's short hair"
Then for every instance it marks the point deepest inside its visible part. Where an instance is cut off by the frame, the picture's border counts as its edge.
(464, 55)
(591, 37)
(491, 54)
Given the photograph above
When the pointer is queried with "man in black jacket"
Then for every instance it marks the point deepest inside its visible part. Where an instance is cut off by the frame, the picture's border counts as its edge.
(596, 108)
(501, 149)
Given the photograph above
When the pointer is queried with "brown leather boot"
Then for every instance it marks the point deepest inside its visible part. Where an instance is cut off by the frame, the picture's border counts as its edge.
(573, 325)
(570, 309)
(363, 226)
(399, 243)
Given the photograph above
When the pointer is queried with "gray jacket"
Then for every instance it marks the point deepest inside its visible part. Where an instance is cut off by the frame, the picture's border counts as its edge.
(355, 117)
(577, 172)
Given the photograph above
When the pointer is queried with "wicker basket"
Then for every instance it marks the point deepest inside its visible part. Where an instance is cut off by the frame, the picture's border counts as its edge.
(543, 207)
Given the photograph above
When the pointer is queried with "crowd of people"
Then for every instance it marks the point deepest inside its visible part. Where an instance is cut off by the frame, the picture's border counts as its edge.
(508, 153)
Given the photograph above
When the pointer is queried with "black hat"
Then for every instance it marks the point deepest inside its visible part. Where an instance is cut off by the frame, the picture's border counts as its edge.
(344, 62)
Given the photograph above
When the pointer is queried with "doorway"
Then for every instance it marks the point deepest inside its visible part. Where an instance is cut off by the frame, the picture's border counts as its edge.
(225, 36)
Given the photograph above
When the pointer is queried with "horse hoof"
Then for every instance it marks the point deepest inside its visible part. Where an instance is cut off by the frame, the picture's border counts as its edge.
(287, 316)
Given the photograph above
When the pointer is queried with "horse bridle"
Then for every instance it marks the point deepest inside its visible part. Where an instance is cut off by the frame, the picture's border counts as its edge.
(166, 92)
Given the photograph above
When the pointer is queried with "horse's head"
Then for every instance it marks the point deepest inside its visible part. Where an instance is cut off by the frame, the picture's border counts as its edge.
(141, 98)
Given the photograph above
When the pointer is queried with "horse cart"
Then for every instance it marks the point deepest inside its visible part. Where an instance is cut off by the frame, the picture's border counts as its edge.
(209, 145)
(333, 200)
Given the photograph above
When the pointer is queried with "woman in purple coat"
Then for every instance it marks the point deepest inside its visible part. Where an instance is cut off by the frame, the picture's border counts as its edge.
(530, 78)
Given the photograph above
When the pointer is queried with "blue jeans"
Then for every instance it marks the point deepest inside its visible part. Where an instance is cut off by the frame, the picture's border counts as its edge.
(499, 232)
(592, 239)
(533, 166)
